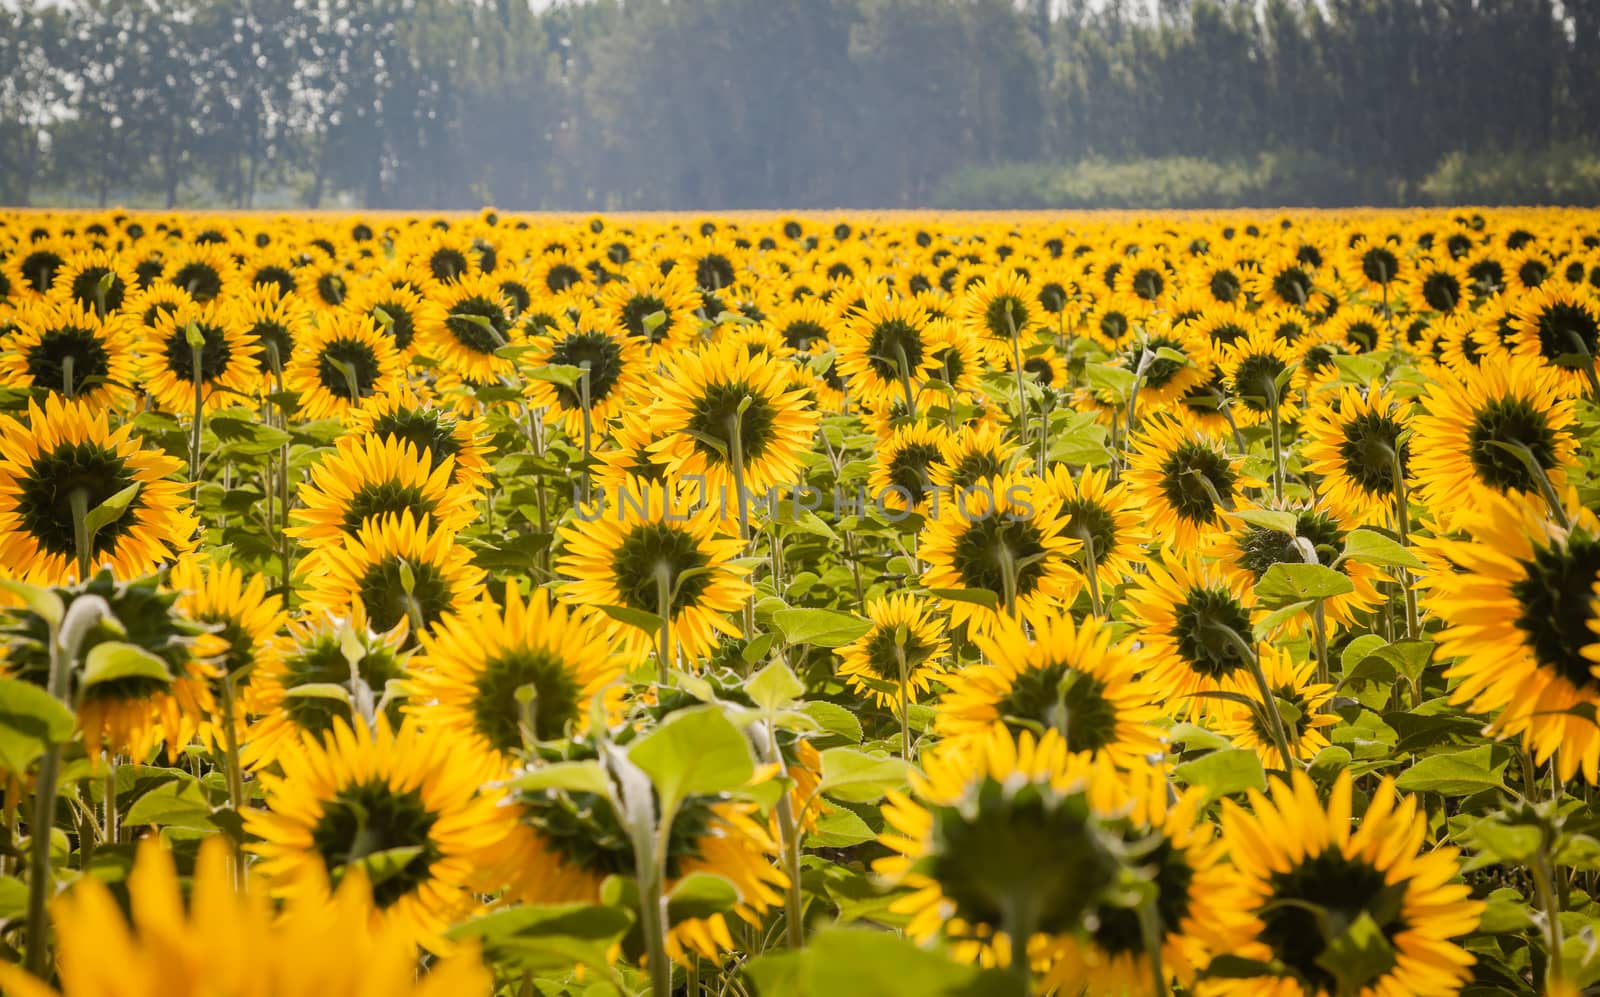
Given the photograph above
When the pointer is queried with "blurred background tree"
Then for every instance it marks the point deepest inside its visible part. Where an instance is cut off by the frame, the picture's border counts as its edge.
(708, 104)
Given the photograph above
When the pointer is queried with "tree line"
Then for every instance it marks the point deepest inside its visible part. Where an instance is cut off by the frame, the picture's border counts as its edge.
(705, 104)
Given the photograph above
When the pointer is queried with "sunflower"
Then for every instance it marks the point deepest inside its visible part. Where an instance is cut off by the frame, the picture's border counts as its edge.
(884, 350)
(364, 793)
(1291, 684)
(440, 434)
(369, 668)
(905, 638)
(245, 618)
(224, 363)
(628, 455)
(1358, 329)
(1001, 536)
(732, 418)
(1468, 419)
(1067, 678)
(1254, 368)
(1166, 379)
(1191, 617)
(1354, 441)
(657, 309)
(209, 937)
(1308, 874)
(469, 678)
(64, 349)
(901, 478)
(342, 362)
(973, 453)
(1116, 319)
(205, 272)
(1437, 285)
(567, 843)
(806, 325)
(1180, 473)
(1178, 852)
(273, 321)
(632, 551)
(1105, 518)
(65, 462)
(1377, 267)
(399, 568)
(149, 304)
(95, 281)
(367, 478)
(1560, 326)
(1000, 831)
(1287, 279)
(1515, 596)
(1251, 548)
(615, 366)
(1001, 311)
(397, 309)
(469, 328)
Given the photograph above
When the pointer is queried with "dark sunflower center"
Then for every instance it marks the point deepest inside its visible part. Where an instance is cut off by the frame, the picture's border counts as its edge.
(881, 653)
(402, 325)
(583, 830)
(348, 369)
(1362, 336)
(1203, 619)
(275, 338)
(562, 276)
(39, 269)
(994, 545)
(1052, 297)
(649, 546)
(1255, 380)
(372, 817)
(1228, 333)
(1568, 335)
(323, 663)
(383, 592)
(1225, 286)
(48, 360)
(641, 307)
(908, 469)
(1180, 484)
(429, 432)
(1532, 273)
(201, 280)
(1148, 283)
(331, 288)
(1061, 698)
(716, 412)
(214, 355)
(463, 323)
(86, 290)
(380, 498)
(448, 264)
(601, 353)
(800, 334)
(975, 467)
(890, 341)
(1293, 285)
(1040, 370)
(951, 364)
(1260, 548)
(1556, 607)
(1160, 371)
(1005, 316)
(1024, 849)
(1489, 275)
(1119, 930)
(1379, 265)
(1091, 523)
(1114, 325)
(1441, 291)
(713, 272)
(498, 714)
(45, 500)
(1370, 440)
(280, 277)
(1513, 422)
(1343, 889)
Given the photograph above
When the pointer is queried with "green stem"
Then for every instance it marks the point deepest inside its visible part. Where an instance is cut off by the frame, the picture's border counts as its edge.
(111, 822)
(588, 426)
(903, 367)
(42, 821)
(68, 386)
(195, 351)
(1276, 415)
(1008, 579)
(235, 772)
(1092, 571)
(1022, 395)
(905, 699)
(1269, 702)
(664, 610)
(1319, 628)
(1402, 522)
(1544, 889)
(1150, 929)
(789, 830)
(82, 541)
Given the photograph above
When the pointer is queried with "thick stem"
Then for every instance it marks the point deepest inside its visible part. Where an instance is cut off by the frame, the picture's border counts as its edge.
(905, 699)
(42, 821)
(235, 772)
(1319, 628)
(664, 611)
(1022, 396)
(1276, 415)
(1151, 929)
(1549, 904)
(82, 541)
(199, 422)
(1402, 522)
(789, 824)
(1269, 702)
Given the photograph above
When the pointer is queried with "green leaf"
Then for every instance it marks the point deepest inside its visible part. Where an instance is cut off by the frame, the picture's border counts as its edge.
(840, 829)
(700, 894)
(774, 687)
(694, 752)
(30, 721)
(538, 938)
(834, 719)
(382, 866)
(978, 597)
(1375, 548)
(576, 777)
(648, 622)
(111, 660)
(181, 803)
(1284, 584)
(1269, 624)
(846, 962)
(1192, 736)
(565, 375)
(1459, 773)
(13, 898)
(1504, 913)
(319, 690)
(1357, 650)
(1231, 770)
(853, 776)
(1270, 519)
(1358, 955)
(1330, 761)
(42, 602)
(822, 627)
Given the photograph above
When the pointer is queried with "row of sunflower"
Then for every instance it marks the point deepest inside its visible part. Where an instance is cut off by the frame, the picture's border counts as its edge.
(883, 605)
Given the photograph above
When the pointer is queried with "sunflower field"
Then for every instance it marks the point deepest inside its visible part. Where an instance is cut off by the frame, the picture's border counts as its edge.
(762, 606)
